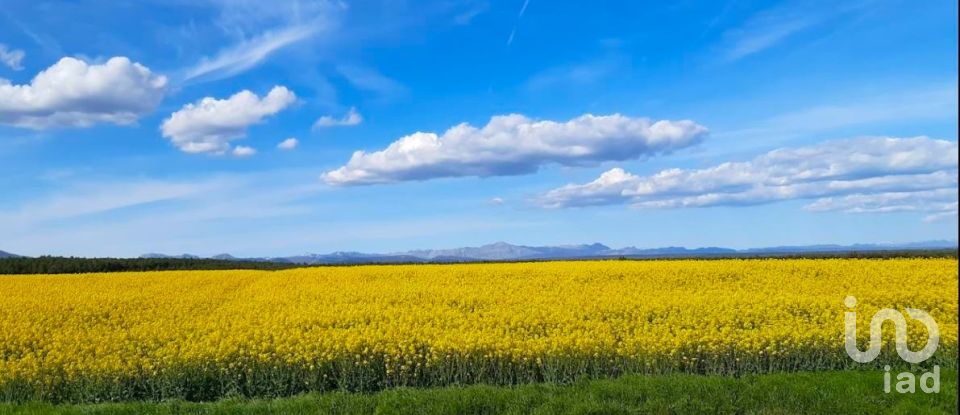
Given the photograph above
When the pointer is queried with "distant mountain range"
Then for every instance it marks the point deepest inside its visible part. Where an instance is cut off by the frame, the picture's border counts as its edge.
(502, 251)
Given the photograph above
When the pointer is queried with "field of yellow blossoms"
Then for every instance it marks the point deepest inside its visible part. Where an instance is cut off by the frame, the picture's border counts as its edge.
(201, 335)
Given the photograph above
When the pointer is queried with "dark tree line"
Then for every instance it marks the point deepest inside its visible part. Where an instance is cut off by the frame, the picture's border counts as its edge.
(877, 254)
(73, 265)
(904, 253)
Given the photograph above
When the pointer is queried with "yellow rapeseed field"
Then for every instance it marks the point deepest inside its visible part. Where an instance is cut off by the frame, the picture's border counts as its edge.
(206, 334)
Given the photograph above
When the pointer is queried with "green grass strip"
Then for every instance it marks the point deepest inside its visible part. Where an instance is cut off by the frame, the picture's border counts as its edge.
(846, 392)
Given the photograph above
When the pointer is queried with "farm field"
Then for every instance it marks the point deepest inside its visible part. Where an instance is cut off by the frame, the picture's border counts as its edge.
(206, 335)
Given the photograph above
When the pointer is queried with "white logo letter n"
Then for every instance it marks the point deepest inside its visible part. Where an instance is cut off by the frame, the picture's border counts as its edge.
(900, 324)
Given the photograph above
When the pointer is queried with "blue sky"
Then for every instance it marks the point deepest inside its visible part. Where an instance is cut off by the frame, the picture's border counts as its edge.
(131, 127)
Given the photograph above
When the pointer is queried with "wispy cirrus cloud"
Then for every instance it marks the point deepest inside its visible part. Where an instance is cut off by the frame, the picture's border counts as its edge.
(260, 29)
(771, 27)
(474, 10)
(77, 199)
(513, 32)
(763, 32)
(925, 102)
(936, 204)
(946, 214)
(243, 18)
(246, 54)
(857, 175)
(99, 216)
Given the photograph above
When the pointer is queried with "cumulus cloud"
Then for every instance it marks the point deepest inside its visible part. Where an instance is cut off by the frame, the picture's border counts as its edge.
(858, 175)
(12, 58)
(209, 125)
(349, 119)
(288, 144)
(514, 144)
(73, 93)
(244, 151)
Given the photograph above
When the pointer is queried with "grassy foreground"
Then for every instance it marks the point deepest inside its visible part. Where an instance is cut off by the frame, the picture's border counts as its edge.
(847, 392)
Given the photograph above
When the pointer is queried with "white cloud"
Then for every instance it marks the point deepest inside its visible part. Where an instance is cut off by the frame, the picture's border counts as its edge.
(468, 15)
(874, 107)
(513, 33)
(12, 58)
(351, 118)
(73, 93)
(944, 215)
(607, 189)
(259, 29)
(937, 200)
(866, 108)
(248, 53)
(208, 125)
(288, 144)
(243, 17)
(514, 144)
(856, 175)
(497, 201)
(768, 28)
(244, 151)
(762, 32)
(523, 9)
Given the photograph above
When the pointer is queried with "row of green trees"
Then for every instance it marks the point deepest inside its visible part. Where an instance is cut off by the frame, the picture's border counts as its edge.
(73, 265)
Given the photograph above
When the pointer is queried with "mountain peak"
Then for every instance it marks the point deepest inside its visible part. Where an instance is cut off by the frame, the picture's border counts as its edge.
(5, 254)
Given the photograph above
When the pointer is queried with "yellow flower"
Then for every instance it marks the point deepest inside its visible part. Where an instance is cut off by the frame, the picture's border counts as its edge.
(377, 326)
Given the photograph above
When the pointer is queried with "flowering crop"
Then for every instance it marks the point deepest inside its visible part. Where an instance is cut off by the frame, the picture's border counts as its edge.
(205, 334)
